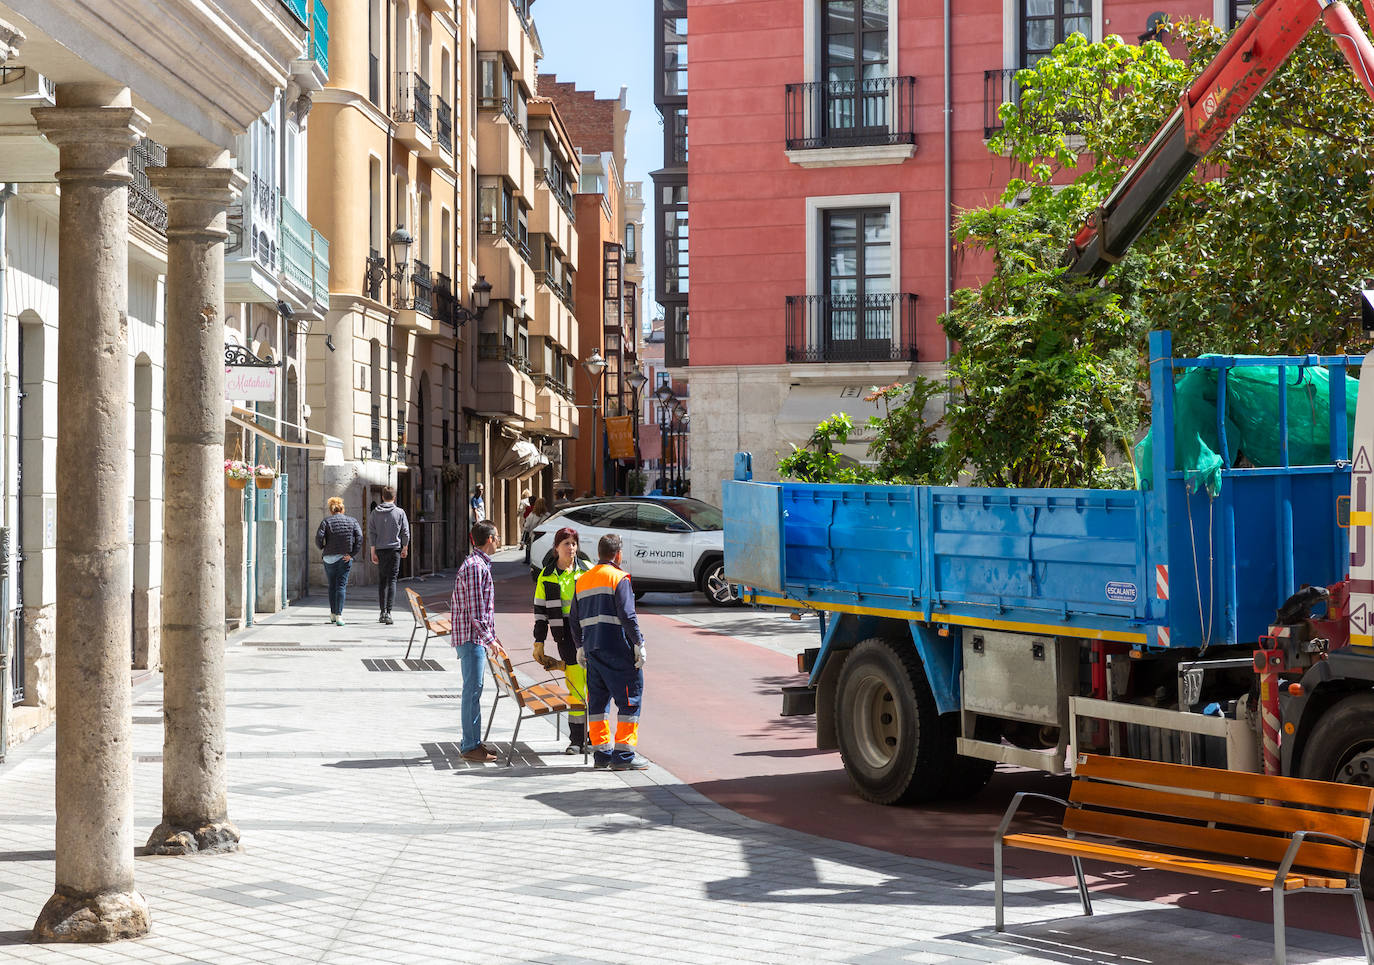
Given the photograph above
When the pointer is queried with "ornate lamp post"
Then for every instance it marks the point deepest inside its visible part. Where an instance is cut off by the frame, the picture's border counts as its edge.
(636, 381)
(679, 412)
(595, 366)
(666, 397)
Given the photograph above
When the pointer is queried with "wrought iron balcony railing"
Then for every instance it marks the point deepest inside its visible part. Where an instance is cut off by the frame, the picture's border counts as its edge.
(999, 87)
(422, 289)
(319, 35)
(412, 101)
(853, 113)
(880, 327)
(445, 119)
(372, 278)
(296, 238)
(144, 203)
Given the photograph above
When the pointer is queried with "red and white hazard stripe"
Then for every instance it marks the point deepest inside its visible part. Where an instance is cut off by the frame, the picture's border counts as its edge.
(1162, 636)
(1162, 580)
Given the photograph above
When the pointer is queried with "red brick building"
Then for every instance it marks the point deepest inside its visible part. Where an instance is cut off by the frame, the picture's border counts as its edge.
(832, 144)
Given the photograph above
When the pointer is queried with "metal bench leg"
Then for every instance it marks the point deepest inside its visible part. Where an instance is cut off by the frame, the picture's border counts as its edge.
(424, 646)
(411, 642)
(1366, 937)
(492, 719)
(1082, 887)
(997, 884)
(1280, 934)
(511, 752)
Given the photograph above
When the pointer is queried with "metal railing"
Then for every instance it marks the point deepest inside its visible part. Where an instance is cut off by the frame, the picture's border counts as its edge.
(422, 289)
(300, 9)
(558, 187)
(144, 203)
(445, 125)
(320, 249)
(842, 328)
(412, 101)
(853, 113)
(372, 278)
(296, 246)
(999, 87)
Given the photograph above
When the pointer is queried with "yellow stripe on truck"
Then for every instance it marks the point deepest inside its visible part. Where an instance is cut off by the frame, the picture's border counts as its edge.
(1120, 636)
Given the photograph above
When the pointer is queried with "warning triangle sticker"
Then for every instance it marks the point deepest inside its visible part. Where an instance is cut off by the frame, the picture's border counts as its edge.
(1362, 464)
(1359, 619)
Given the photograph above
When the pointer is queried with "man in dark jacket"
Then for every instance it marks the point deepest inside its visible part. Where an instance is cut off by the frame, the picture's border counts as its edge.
(606, 630)
(388, 532)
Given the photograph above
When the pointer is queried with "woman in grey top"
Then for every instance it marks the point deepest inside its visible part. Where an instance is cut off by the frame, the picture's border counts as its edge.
(340, 538)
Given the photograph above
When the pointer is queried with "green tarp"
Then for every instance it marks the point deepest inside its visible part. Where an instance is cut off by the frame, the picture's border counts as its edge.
(1252, 422)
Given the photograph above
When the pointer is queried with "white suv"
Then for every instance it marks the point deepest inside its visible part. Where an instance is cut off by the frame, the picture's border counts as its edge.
(670, 544)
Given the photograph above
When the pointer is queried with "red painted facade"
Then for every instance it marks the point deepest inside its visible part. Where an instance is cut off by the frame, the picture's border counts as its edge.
(748, 200)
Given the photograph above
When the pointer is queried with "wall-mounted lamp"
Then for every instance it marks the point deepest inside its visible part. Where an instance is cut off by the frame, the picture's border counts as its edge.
(399, 241)
(481, 298)
(329, 343)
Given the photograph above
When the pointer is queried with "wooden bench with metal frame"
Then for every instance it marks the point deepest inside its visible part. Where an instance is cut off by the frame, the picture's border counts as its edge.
(1283, 833)
(540, 699)
(434, 626)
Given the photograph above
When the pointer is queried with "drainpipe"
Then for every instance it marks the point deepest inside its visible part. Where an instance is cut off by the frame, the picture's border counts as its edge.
(7, 191)
(949, 171)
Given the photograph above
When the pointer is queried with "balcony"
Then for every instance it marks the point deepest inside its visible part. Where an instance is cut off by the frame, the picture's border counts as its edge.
(555, 411)
(413, 113)
(502, 145)
(558, 188)
(304, 262)
(842, 328)
(414, 301)
(252, 255)
(999, 87)
(144, 202)
(848, 123)
(311, 72)
(504, 386)
(444, 117)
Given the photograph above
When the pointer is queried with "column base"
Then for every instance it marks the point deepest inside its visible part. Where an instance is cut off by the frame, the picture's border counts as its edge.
(107, 917)
(217, 837)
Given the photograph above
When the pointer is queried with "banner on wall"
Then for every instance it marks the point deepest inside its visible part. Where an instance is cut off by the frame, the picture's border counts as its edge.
(620, 436)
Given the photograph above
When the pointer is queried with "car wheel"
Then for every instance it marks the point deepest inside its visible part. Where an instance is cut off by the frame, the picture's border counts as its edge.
(1341, 749)
(719, 591)
(895, 746)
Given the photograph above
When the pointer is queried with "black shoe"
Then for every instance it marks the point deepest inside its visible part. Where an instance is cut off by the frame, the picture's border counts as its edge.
(601, 763)
(635, 763)
(382, 618)
(386, 618)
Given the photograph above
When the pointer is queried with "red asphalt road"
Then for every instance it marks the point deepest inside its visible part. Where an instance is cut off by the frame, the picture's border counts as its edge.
(710, 717)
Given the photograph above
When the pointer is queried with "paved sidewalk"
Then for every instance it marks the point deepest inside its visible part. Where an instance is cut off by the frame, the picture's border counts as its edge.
(367, 840)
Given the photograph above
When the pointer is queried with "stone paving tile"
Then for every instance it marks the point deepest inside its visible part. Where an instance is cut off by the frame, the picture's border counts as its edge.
(363, 842)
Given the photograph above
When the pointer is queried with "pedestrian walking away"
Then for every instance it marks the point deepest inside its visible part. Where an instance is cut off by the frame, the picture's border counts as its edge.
(478, 505)
(553, 595)
(388, 533)
(339, 538)
(610, 647)
(538, 512)
(472, 615)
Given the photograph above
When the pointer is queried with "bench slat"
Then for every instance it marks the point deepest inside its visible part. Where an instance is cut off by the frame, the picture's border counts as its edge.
(1261, 817)
(1269, 848)
(1326, 794)
(1141, 858)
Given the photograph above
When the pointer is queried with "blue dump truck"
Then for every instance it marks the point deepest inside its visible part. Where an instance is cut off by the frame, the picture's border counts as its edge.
(1208, 619)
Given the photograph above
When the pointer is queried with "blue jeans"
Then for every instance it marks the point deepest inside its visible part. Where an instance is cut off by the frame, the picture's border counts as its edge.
(337, 575)
(472, 661)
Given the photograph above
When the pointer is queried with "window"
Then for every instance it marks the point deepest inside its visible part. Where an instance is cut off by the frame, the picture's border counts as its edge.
(445, 242)
(374, 168)
(857, 280)
(488, 208)
(854, 64)
(374, 55)
(1045, 24)
(673, 217)
(674, 48)
(699, 514)
(1237, 11)
(675, 136)
(631, 243)
(488, 83)
(655, 519)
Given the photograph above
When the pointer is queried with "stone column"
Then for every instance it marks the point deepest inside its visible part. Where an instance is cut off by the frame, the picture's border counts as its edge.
(198, 185)
(93, 127)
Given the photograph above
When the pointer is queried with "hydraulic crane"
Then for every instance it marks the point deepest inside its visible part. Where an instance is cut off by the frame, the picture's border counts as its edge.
(1207, 109)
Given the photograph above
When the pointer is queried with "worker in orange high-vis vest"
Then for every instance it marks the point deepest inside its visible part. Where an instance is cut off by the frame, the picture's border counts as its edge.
(611, 648)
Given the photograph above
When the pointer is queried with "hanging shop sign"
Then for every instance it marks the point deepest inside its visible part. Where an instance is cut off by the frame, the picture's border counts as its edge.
(248, 378)
(469, 453)
(620, 436)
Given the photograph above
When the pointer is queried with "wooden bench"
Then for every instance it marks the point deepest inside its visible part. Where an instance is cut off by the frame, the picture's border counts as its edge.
(1282, 833)
(433, 624)
(540, 699)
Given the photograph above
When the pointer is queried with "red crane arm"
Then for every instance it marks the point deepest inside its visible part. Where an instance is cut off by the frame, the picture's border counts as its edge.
(1207, 109)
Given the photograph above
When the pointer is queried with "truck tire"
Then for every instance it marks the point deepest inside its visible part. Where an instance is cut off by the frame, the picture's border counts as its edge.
(1341, 749)
(895, 746)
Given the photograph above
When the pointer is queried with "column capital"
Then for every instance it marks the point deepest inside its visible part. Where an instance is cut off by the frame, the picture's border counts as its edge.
(197, 193)
(94, 141)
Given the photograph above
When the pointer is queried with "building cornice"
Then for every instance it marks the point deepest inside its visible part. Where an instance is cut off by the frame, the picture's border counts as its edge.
(163, 50)
(342, 97)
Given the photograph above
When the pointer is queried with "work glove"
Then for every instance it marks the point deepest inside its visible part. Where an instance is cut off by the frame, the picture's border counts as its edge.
(639, 654)
(581, 657)
(539, 657)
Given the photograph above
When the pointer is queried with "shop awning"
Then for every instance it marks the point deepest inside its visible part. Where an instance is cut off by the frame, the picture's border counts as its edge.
(522, 460)
(330, 446)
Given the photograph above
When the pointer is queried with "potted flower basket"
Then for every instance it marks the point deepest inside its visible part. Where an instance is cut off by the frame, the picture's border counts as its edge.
(264, 476)
(237, 473)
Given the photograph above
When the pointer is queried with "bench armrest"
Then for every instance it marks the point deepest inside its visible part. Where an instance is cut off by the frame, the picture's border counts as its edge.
(1016, 804)
(1299, 837)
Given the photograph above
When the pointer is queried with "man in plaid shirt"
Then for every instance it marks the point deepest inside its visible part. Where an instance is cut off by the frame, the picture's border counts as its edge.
(472, 611)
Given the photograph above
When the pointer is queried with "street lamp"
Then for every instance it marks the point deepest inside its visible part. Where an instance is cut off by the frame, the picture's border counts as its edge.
(595, 365)
(481, 298)
(636, 381)
(399, 242)
(679, 410)
(665, 397)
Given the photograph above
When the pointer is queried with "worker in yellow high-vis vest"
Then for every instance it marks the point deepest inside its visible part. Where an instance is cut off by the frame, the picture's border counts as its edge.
(611, 647)
(553, 594)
